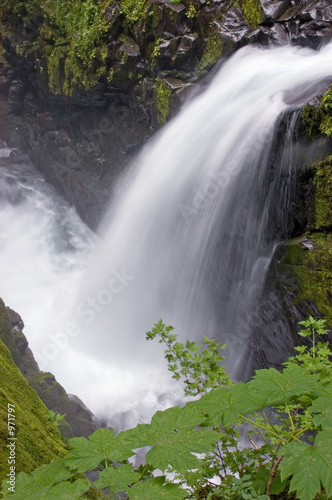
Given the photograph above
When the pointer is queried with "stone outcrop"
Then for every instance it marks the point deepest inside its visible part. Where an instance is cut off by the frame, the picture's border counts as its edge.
(299, 283)
(38, 440)
(78, 420)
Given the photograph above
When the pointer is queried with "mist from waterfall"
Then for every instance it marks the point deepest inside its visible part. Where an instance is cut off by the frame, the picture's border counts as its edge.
(187, 238)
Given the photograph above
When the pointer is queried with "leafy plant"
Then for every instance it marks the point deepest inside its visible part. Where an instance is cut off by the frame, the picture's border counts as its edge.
(267, 438)
(200, 367)
(54, 417)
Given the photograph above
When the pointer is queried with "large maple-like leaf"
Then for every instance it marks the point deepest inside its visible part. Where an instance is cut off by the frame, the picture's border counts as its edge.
(225, 406)
(117, 479)
(309, 466)
(172, 437)
(38, 484)
(278, 388)
(86, 454)
(68, 491)
(156, 489)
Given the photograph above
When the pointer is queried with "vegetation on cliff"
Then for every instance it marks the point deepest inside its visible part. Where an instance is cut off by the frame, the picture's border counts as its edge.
(76, 44)
(308, 266)
(77, 419)
(38, 439)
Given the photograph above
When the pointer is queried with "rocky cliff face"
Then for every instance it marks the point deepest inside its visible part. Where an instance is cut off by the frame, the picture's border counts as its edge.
(89, 83)
(38, 440)
(78, 419)
(300, 278)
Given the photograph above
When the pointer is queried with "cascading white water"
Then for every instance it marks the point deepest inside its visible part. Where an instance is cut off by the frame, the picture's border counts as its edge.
(186, 239)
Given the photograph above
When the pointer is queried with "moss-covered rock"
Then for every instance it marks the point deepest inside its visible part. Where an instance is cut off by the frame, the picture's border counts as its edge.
(78, 419)
(306, 263)
(316, 117)
(252, 11)
(163, 93)
(326, 113)
(323, 194)
(212, 52)
(70, 43)
(38, 440)
(311, 118)
(11, 334)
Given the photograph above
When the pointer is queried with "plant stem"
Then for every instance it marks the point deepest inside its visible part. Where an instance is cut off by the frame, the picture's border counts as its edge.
(270, 431)
(273, 474)
(290, 417)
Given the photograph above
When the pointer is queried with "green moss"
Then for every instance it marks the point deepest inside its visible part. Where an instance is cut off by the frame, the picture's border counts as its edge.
(162, 93)
(312, 270)
(323, 194)
(55, 72)
(78, 59)
(74, 64)
(310, 122)
(252, 11)
(38, 440)
(191, 11)
(212, 52)
(326, 113)
(135, 10)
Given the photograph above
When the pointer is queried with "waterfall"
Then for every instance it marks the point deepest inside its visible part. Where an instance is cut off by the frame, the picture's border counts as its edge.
(187, 237)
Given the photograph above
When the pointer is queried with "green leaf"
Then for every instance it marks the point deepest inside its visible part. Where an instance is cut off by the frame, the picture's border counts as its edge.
(260, 480)
(278, 486)
(68, 491)
(86, 454)
(224, 406)
(162, 423)
(38, 484)
(156, 488)
(323, 391)
(279, 388)
(172, 438)
(309, 466)
(117, 479)
(322, 406)
(176, 449)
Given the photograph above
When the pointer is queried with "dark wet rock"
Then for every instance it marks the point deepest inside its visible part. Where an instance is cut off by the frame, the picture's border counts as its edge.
(278, 34)
(53, 395)
(298, 285)
(175, 83)
(130, 48)
(16, 94)
(232, 26)
(187, 50)
(4, 83)
(307, 10)
(167, 52)
(13, 337)
(275, 8)
(47, 121)
(16, 320)
(308, 243)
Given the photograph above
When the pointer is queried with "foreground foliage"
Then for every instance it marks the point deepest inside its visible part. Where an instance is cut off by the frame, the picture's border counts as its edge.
(284, 420)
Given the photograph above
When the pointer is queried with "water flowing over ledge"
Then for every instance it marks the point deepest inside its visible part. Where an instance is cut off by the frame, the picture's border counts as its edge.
(187, 238)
